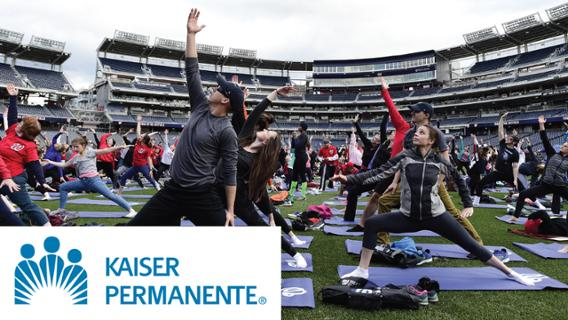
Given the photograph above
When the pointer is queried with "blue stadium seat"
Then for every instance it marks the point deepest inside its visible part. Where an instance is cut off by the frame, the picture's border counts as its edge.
(125, 85)
(490, 65)
(153, 87)
(179, 88)
(426, 91)
(317, 97)
(122, 66)
(534, 56)
(273, 81)
(344, 96)
(45, 79)
(60, 112)
(8, 75)
(163, 71)
(34, 110)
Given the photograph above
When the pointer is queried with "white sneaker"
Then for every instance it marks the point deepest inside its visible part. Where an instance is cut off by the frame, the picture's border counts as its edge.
(300, 261)
(521, 278)
(46, 197)
(287, 204)
(131, 213)
(476, 200)
(297, 242)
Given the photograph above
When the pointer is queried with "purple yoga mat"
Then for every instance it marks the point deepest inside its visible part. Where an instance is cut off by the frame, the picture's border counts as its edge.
(340, 213)
(436, 250)
(298, 293)
(343, 203)
(338, 221)
(101, 214)
(307, 239)
(543, 250)
(342, 231)
(289, 264)
(98, 202)
(491, 206)
(506, 218)
(133, 196)
(459, 279)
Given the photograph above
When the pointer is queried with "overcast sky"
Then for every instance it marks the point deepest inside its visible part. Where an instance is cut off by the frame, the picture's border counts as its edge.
(294, 30)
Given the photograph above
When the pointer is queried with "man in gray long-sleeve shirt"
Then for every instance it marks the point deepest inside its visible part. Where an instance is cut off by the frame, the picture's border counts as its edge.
(207, 139)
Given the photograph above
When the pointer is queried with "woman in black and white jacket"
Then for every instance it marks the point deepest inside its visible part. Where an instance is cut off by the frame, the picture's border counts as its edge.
(421, 171)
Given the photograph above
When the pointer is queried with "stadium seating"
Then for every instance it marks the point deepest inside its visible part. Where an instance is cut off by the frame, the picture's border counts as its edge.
(60, 112)
(273, 81)
(153, 87)
(534, 56)
(163, 71)
(8, 75)
(343, 96)
(491, 84)
(179, 88)
(245, 78)
(425, 91)
(124, 85)
(122, 118)
(45, 79)
(490, 65)
(122, 66)
(317, 97)
(530, 77)
(34, 110)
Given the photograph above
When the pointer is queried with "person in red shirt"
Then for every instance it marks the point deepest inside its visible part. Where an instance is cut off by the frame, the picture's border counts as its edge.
(19, 152)
(329, 162)
(141, 160)
(105, 162)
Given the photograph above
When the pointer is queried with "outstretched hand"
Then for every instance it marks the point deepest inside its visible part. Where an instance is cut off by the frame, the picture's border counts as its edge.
(339, 177)
(12, 90)
(466, 213)
(384, 83)
(284, 91)
(541, 120)
(12, 186)
(192, 22)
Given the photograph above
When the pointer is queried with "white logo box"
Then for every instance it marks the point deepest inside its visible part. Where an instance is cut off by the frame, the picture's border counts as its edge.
(214, 273)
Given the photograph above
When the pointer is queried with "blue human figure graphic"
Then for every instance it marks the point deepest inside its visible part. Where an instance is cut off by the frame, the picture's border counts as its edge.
(27, 276)
(51, 264)
(74, 278)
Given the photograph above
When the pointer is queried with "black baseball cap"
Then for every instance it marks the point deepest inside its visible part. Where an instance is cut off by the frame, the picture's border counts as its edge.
(231, 91)
(304, 125)
(422, 106)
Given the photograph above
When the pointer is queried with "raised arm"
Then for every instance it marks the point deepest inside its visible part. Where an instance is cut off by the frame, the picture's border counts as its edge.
(548, 148)
(502, 126)
(360, 132)
(98, 152)
(384, 123)
(13, 109)
(250, 123)
(196, 95)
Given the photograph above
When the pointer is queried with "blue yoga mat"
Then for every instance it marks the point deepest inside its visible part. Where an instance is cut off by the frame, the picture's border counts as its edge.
(101, 214)
(506, 218)
(343, 203)
(459, 279)
(436, 250)
(133, 196)
(99, 202)
(338, 221)
(340, 213)
(342, 231)
(40, 198)
(307, 239)
(289, 264)
(543, 250)
(491, 206)
(297, 293)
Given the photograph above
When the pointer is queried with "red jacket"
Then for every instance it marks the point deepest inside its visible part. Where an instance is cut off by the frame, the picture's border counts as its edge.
(107, 157)
(329, 155)
(400, 125)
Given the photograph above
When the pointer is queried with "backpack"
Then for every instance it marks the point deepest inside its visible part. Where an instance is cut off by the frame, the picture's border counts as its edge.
(322, 210)
(397, 257)
(370, 297)
(307, 220)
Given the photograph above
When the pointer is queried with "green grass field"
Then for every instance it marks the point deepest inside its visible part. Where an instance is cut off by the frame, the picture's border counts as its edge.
(329, 252)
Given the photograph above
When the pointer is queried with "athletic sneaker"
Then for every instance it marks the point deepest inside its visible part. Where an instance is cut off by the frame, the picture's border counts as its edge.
(420, 296)
(356, 228)
(287, 203)
(431, 286)
(353, 282)
(131, 213)
(502, 254)
(427, 258)
(433, 296)
(301, 198)
(46, 197)
(476, 201)
(65, 215)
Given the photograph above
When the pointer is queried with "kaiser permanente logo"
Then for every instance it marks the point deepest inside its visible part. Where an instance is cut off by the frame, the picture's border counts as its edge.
(49, 279)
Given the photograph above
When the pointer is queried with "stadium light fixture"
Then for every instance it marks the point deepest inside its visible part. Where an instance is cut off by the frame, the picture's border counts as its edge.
(480, 35)
(11, 36)
(558, 12)
(209, 49)
(522, 23)
(44, 43)
(131, 37)
(242, 53)
(169, 44)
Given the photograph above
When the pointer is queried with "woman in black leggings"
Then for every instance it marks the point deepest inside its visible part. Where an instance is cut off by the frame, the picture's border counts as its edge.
(553, 180)
(257, 162)
(421, 172)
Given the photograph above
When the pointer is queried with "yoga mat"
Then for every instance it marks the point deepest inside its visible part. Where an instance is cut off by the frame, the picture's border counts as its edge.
(338, 221)
(342, 231)
(521, 232)
(99, 202)
(39, 198)
(338, 212)
(297, 293)
(459, 279)
(289, 264)
(491, 206)
(307, 239)
(343, 203)
(543, 250)
(101, 214)
(452, 251)
(133, 196)
(506, 218)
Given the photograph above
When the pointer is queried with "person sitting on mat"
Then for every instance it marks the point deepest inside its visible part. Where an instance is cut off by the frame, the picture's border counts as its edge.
(554, 178)
(422, 170)
(85, 163)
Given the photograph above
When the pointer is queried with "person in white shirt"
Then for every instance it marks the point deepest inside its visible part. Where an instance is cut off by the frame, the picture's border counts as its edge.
(167, 156)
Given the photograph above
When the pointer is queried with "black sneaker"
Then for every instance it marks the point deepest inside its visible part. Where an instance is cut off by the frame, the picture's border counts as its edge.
(356, 228)
(353, 282)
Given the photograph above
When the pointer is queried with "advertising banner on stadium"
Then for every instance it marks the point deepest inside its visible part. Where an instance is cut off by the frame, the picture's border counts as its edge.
(140, 273)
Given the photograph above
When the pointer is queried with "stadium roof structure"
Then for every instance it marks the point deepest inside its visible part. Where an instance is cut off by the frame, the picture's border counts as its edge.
(520, 31)
(39, 49)
(131, 44)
